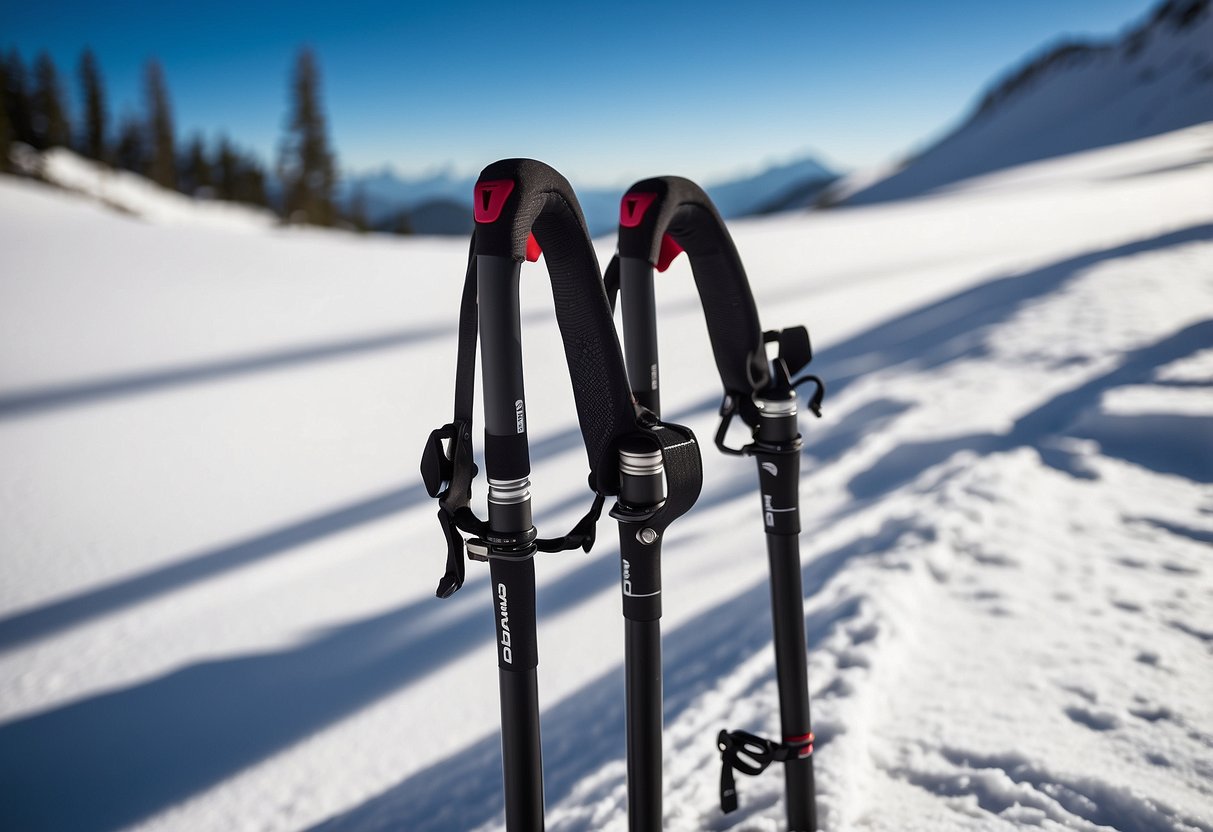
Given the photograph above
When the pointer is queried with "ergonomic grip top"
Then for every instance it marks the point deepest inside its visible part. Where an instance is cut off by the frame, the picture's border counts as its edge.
(518, 198)
(677, 208)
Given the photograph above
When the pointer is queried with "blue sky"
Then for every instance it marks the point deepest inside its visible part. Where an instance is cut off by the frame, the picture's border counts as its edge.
(605, 92)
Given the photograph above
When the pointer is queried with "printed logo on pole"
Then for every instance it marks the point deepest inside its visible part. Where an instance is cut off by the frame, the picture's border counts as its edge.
(519, 416)
(503, 607)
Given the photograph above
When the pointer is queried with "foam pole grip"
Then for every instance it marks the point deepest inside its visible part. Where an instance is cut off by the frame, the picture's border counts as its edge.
(653, 209)
(515, 199)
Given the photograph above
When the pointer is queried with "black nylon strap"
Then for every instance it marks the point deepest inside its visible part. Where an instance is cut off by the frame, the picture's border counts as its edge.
(581, 536)
(683, 469)
(455, 513)
(458, 494)
(751, 755)
(538, 200)
(610, 282)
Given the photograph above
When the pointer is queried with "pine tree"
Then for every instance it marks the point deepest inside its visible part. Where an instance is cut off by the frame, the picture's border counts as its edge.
(239, 176)
(92, 140)
(226, 169)
(131, 151)
(162, 160)
(6, 132)
(252, 183)
(17, 99)
(196, 175)
(306, 166)
(49, 114)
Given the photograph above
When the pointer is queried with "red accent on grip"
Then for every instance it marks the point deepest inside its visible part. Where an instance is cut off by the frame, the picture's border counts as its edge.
(489, 198)
(669, 250)
(532, 249)
(632, 208)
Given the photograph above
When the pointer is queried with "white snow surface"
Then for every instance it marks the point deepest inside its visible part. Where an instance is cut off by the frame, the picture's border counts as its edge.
(217, 561)
(136, 195)
(1157, 78)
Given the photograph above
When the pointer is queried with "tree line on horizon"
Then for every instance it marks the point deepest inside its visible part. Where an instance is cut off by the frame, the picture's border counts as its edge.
(35, 113)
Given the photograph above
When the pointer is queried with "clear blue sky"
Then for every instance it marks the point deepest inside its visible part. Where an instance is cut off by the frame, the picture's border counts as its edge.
(606, 92)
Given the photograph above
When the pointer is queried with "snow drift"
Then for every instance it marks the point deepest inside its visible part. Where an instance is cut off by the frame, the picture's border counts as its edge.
(217, 564)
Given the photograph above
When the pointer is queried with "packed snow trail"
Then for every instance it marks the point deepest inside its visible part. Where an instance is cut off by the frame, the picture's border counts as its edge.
(216, 608)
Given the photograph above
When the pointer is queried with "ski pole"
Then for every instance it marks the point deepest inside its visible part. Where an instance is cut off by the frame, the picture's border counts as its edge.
(659, 219)
(522, 207)
(641, 496)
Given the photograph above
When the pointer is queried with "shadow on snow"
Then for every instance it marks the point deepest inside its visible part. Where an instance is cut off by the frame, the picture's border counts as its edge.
(114, 758)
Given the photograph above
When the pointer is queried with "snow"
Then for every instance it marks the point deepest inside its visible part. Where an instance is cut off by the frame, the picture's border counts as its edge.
(217, 564)
(133, 194)
(1156, 79)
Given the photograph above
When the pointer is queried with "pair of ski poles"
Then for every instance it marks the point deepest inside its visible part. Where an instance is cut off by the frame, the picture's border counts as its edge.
(524, 208)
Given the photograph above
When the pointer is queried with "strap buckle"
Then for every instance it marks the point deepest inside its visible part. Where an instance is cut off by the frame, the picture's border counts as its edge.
(751, 755)
(795, 353)
(447, 470)
(438, 459)
(728, 409)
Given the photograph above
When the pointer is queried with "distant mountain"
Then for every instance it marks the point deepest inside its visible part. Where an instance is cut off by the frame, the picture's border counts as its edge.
(440, 203)
(1156, 78)
(757, 194)
(440, 216)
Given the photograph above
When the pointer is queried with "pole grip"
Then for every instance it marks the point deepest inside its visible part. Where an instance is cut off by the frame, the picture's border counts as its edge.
(638, 300)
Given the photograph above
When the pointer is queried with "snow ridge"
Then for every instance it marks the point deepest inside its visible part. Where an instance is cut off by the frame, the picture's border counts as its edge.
(1076, 96)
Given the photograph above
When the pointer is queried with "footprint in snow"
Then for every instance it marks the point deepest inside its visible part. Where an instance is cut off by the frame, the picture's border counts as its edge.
(1096, 720)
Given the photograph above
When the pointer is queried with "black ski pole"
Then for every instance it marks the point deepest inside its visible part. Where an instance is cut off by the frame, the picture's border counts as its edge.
(521, 207)
(641, 496)
(776, 448)
(507, 464)
(660, 218)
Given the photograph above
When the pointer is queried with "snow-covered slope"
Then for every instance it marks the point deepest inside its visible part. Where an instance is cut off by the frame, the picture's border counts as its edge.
(1076, 96)
(217, 561)
(138, 196)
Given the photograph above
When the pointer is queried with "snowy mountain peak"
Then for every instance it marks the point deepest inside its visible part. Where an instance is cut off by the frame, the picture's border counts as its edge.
(1076, 96)
(1170, 17)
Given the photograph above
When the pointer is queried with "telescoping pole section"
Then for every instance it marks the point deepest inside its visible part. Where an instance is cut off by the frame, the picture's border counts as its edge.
(507, 463)
(641, 496)
(777, 450)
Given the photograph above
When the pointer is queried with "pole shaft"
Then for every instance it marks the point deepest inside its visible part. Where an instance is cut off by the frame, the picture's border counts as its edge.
(507, 464)
(779, 484)
(521, 754)
(791, 672)
(639, 307)
(642, 646)
(642, 491)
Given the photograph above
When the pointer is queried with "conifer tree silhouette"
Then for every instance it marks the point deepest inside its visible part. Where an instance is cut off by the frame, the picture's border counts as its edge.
(93, 135)
(49, 114)
(305, 163)
(162, 160)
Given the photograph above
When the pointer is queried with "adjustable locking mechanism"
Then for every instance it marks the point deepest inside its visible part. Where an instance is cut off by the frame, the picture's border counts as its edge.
(447, 470)
(795, 353)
